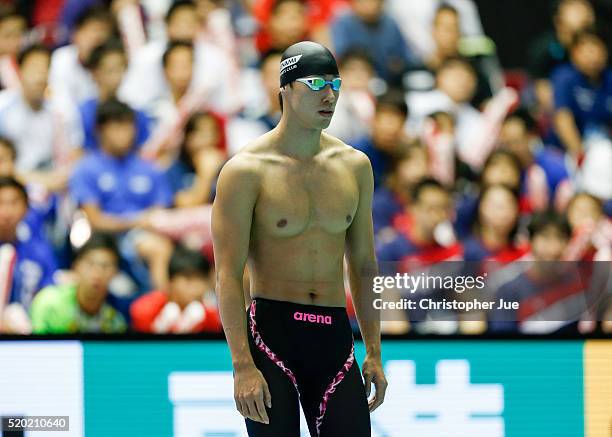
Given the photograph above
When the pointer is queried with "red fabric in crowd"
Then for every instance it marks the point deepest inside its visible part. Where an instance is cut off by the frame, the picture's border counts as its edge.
(146, 308)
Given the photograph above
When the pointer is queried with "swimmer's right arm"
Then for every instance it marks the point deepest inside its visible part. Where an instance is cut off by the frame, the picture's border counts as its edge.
(237, 190)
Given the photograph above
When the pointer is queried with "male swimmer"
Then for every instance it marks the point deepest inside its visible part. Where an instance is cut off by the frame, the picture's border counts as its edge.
(292, 204)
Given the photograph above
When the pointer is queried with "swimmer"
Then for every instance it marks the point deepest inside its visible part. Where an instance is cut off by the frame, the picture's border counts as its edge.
(291, 206)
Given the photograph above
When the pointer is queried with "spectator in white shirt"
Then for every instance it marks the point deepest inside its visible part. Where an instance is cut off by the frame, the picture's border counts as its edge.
(34, 126)
(69, 80)
(455, 87)
(144, 82)
(415, 19)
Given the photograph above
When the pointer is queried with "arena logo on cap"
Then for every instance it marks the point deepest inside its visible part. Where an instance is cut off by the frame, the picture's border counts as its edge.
(289, 64)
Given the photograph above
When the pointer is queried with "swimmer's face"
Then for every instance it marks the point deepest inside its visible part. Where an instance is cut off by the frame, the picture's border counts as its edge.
(313, 109)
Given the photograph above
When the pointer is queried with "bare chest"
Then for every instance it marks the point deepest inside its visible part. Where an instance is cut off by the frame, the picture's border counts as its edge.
(295, 198)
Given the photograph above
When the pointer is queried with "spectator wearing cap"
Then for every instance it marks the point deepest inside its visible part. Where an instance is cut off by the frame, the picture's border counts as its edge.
(186, 306)
(81, 307)
(117, 189)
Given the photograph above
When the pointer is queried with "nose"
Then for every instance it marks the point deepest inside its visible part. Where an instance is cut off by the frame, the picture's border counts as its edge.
(328, 94)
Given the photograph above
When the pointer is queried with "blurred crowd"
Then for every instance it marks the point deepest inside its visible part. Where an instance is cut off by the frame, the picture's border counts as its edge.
(116, 117)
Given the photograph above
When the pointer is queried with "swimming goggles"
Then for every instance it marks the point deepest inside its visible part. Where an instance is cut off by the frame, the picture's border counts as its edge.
(318, 83)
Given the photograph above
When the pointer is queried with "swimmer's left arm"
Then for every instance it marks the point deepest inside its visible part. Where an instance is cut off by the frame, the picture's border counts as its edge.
(362, 268)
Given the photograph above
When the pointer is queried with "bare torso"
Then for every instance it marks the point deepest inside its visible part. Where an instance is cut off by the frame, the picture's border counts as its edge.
(300, 218)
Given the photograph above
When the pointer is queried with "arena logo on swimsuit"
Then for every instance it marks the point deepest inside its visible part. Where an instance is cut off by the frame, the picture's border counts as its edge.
(313, 318)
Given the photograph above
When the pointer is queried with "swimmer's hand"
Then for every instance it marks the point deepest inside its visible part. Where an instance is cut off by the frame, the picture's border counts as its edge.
(251, 394)
(372, 371)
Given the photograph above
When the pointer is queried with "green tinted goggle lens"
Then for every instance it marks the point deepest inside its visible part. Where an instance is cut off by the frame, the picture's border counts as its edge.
(318, 83)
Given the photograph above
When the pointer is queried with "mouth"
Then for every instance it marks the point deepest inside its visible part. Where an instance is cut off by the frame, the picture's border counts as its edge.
(326, 113)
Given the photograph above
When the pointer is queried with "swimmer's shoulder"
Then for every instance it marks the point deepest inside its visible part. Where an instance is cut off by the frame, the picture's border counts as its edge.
(244, 168)
(355, 159)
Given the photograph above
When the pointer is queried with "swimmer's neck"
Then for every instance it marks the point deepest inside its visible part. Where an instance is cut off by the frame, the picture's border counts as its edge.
(295, 139)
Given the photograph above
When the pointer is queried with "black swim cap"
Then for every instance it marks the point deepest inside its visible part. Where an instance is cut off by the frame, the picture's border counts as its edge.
(306, 58)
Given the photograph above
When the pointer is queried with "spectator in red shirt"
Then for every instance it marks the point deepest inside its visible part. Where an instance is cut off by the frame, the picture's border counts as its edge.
(285, 24)
(187, 306)
(496, 228)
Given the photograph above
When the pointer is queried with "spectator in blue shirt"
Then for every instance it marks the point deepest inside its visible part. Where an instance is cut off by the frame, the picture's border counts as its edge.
(387, 140)
(392, 198)
(582, 92)
(107, 64)
(29, 260)
(518, 134)
(42, 204)
(118, 190)
(368, 27)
